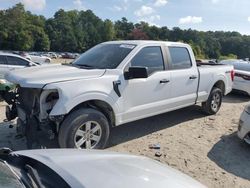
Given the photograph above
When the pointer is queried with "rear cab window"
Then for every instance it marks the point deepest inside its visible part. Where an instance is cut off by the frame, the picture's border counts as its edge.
(180, 58)
(150, 57)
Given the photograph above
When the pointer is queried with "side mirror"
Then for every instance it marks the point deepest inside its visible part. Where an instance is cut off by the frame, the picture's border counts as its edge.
(136, 72)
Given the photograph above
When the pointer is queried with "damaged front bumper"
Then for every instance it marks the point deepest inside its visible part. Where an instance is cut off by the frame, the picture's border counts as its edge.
(31, 107)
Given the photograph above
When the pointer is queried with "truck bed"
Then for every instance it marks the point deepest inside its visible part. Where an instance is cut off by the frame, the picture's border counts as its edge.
(209, 64)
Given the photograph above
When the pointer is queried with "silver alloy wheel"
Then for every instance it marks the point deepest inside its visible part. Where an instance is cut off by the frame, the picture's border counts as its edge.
(215, 103)
(88, 135)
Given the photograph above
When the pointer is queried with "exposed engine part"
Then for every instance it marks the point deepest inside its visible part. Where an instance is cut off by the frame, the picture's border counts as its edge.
(31, 128)
(10, 112)
(32, 106)
(8, 96)
(35, 133)
(20, 127)
(5, 151)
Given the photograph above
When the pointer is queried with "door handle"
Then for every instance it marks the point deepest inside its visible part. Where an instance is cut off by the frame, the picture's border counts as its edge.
(193, 77)
(164, 81)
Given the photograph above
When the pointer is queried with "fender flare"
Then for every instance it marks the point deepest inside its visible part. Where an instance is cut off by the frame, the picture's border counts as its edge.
(220, 78)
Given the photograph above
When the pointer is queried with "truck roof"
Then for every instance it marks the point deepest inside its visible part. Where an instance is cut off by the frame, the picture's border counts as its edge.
(142, 42)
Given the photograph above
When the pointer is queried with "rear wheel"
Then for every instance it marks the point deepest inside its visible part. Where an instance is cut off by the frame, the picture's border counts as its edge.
(84, 129)
(213, 104)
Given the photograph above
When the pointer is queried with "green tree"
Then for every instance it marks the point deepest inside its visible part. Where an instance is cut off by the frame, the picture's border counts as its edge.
(20, 30)
(137, 34)
(77, 31)
(123, 28)
(108, 32)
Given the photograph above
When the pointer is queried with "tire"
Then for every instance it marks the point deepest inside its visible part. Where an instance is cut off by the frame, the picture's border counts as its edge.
(77, 130)
(213, 104)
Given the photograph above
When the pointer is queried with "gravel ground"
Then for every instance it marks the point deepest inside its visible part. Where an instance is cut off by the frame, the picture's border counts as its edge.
(205, 148)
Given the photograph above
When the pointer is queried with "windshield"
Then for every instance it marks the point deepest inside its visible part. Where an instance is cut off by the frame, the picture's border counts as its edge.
(7, 177)
(104, 56)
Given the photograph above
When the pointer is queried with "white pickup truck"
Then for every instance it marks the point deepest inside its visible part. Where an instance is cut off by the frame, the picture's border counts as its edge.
(109, 85)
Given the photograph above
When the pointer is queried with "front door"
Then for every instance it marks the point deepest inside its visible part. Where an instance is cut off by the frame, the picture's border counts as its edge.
(145, 97)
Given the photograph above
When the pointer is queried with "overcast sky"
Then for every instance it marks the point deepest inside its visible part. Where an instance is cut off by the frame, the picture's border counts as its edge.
(226, 15)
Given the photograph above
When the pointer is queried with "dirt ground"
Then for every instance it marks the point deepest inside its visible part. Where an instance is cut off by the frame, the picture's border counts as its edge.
(60, 60)
(205, 148)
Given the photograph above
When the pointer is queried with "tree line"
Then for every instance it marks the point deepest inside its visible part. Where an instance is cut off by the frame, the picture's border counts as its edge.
(77, 31)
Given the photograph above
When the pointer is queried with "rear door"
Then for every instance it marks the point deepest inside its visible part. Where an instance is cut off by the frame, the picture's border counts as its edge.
(184, 76)
(16, 62)
(3, 65)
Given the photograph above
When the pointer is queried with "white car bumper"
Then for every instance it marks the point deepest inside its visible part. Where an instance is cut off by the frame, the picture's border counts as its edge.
(244, 127)
(242, 86)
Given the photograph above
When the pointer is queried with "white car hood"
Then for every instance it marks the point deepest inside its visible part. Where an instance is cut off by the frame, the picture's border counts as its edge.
(93, 169)
(37, 77)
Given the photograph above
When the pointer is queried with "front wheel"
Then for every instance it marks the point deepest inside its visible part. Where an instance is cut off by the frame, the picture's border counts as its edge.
(213, 104)
(84, 129)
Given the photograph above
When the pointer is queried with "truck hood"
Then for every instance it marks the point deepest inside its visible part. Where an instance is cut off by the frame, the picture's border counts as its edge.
(90, 168)
(37, 77)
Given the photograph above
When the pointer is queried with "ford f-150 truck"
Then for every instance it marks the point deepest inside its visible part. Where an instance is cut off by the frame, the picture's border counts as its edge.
(111, 84)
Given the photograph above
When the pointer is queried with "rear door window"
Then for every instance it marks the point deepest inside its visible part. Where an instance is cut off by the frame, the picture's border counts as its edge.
(17, 61)
(180, 58)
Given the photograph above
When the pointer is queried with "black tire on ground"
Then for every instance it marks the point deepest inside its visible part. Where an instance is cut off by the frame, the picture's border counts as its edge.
(213, 104)
(74, 124)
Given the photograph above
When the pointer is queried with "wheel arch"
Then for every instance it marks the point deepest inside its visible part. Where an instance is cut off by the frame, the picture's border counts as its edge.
(221, 85)
(66, 104)
(99, 105)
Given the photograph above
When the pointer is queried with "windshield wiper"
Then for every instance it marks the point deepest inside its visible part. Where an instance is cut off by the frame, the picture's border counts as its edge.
(70, 64)
(79, 65)
(34, 176)
(84, 65)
